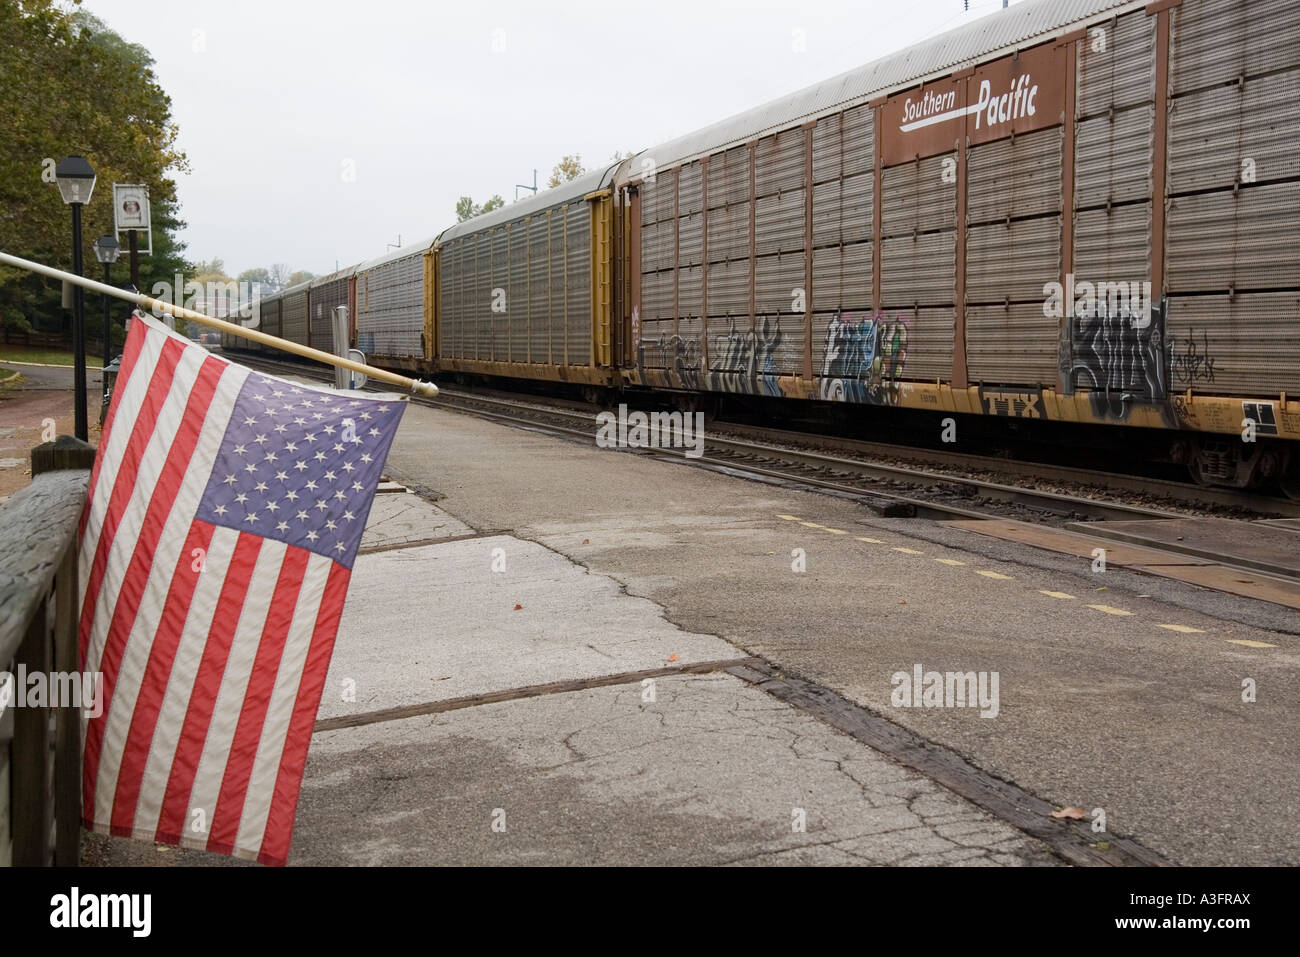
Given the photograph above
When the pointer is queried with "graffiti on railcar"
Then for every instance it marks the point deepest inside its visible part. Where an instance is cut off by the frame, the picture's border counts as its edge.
(681, 356)
(864, 359)
(746, 361)
(1192, 361)
(1122, 358)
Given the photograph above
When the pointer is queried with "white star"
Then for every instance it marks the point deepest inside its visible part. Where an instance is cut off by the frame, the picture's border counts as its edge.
(282, 475)
(251, 517)
(282, 526)
(250, 468)
(249, 420)
(340, 547)
(291, 446)
(310, 436)
(281, 427)
(374, 431)
(261, 439)
(307, 403)
(240, 450)
(347, 466)
(338, 447)
(317, 415)
(260, 487)
(365, 456)
(312, 536)
(320, 504)
(278, 394)
(299, 421)
(296, 391)
(356, 486)
(301, 516)
(340, 496)
(329, 430)
(349, 516)
(260, 398)
(365, 415)
(329, 476)
(320, 456)
(311, 485)
(270, 410)
(383, 408)
(330, 525)
(300, 466)
(291, 495)
(270, 456)
(272, 507)
(221, 510)
(229, 480)
(354, 403)
(241, 498)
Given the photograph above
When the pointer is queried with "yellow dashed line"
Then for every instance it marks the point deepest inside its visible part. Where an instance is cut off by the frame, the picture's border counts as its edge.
(811, 525)
(1055, 594)
(949, 561)
(997, 575)
(1251, 644)
(1111, 610)
(907, 551)
(835, 531)
(873, 541)
(788, 518)
(1182, 629)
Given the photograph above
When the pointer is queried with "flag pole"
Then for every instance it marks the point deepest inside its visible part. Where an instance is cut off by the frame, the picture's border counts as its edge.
(415, 386)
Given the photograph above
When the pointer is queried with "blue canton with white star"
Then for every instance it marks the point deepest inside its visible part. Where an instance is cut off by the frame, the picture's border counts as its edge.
(300, 465)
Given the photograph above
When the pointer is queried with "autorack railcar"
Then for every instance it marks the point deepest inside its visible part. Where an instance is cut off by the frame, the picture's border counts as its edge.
(1079, 211)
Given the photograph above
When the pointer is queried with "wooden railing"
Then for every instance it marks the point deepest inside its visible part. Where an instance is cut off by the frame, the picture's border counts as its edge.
(40, 747)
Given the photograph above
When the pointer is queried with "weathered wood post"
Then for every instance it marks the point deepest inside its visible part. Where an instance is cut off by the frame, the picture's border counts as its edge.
(39, 582)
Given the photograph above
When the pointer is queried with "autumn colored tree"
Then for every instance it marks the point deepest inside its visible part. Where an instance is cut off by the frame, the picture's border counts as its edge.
(570, 167)
(68, 84)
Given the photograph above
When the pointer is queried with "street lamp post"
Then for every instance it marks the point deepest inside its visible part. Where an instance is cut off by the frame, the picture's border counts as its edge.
(106, 251)
(76, 181)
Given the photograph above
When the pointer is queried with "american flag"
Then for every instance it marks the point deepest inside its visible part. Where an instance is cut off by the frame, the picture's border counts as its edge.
(225, 512)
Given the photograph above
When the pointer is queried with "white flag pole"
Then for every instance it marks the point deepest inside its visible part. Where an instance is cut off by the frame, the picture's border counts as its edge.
(235, 329)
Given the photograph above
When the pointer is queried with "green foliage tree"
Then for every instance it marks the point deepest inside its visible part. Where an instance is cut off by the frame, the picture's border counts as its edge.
(258, 274)
(570, 167)
(466, 208)
(300, 275)
(68, 85)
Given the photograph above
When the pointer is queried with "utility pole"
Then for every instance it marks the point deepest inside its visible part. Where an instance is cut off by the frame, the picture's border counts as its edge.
(519, 186)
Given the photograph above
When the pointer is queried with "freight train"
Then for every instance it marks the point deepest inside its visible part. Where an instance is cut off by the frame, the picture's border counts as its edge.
(1069, 211)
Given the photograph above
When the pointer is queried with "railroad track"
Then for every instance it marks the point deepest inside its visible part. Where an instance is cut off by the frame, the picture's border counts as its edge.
(887, 489)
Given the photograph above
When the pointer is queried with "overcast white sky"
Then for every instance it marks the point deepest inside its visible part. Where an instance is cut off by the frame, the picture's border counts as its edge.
(275, 98)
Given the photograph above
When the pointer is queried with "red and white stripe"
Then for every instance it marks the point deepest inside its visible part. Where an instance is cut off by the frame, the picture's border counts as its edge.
(211, 677)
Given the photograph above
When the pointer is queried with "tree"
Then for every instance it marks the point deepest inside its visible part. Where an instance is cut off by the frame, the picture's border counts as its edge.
(570, 167)
(301, 275)
(259, 274)
(68, 84)
(619, 155)
(212, 266)
(279, 275)
(466, 208)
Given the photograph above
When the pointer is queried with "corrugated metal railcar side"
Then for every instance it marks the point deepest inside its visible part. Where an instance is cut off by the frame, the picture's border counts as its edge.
(327, 293)
(293, 313)
(269, 313)
(526, 291)
(1080, 210)
(390, 306)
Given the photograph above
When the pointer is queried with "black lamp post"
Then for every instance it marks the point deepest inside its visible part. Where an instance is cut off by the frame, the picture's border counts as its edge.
(106, 251)
(76, 182)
